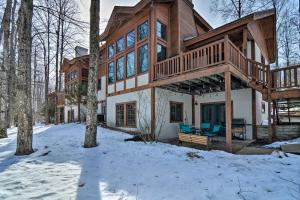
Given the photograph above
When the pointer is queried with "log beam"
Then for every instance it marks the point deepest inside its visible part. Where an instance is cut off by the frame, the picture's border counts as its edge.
(228, 108)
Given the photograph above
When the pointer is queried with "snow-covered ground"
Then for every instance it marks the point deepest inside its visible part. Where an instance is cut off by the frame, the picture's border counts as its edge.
(276, 145)
(116, 170)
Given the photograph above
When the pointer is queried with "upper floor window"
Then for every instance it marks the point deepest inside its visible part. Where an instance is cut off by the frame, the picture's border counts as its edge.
(143, 30)
(99, 84)
(130, 39)
(111, 73)
(130, 64)
(143, 58)
(161, 52)
(120, 69)
(161, 30)
(111, 51)
(120, 45)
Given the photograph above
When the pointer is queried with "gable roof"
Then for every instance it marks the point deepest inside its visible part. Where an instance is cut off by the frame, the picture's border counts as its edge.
(121, 14)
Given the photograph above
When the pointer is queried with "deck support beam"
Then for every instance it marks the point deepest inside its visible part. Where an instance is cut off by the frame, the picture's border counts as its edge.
(228, 111)
(254, 126)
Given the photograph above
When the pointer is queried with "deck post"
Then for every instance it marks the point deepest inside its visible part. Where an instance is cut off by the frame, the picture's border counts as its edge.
(228, 111)
(270, 133)
(254, 127)
(193, 110)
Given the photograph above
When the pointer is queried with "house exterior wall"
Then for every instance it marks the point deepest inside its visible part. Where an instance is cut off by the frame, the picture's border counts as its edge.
(241, 100)
(74, 107)
(162, 104)
(143, 108)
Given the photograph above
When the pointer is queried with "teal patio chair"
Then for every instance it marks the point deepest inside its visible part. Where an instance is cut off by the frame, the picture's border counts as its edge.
(215, 131)
(184, 128)
(205, 126)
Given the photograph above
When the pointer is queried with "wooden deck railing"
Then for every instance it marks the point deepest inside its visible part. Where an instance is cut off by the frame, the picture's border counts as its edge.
(288, 77)
(216, 53)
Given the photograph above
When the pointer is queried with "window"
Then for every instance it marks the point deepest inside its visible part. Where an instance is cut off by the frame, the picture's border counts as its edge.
(130, 39)
(85, 73)
(213, 113)
(161, 52)
(143, 31)
(120, 45)
(120, 115)
(120, 69)
(161, 30)
(99, 84)
(263, 107)
(143, 59)
(126, 115)
(130, 65)
(176, 112)
(130, 114)
(111, 51)
(111, 70)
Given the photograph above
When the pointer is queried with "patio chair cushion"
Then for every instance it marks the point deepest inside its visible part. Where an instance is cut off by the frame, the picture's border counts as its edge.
(216, 128)
(205, 126)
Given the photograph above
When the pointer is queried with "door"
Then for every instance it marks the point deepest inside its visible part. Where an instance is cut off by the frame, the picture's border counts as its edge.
(213, 113)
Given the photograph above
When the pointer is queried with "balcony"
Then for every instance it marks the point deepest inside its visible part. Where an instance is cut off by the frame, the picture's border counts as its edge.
(219, 53)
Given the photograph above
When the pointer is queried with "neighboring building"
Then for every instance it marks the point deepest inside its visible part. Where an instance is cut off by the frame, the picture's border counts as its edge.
(76, 81)
(60, 106)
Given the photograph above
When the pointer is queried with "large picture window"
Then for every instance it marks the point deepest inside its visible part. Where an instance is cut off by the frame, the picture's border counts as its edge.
(143, 59)
(143, 31)
(111, 51)
(111, 73)
(161, 30)
(120, 69)
(120, 45)
(161, 52)
(130, 39)
(126, 115)
(130, 64)
(120, 115)
(176, 112)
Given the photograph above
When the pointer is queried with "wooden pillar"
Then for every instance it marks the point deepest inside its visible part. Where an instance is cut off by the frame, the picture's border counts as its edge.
(270, 133)
(254, 127)
(193, 110)
(228, 109)
(274, 119)
(153, 121)
(245, 40)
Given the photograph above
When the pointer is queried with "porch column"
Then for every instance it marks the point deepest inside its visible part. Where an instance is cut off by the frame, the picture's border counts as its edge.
(254, 127)
(193, 109)
(270, 133)
(228, 111)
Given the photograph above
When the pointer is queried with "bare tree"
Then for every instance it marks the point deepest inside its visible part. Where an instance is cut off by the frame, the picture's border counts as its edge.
(231, 9)
(5, 68)
(91, 122)
(24, 137)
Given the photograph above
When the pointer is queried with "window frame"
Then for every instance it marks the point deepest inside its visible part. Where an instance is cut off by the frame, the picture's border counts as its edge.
(108, 52)
(166, 30)
(139, 71)
(134, 41)
(108, 73)
(163, 46)
(134, 56)
(138, 31)
(117, 67)
(125, 115)
(123, 46)
(172, 103)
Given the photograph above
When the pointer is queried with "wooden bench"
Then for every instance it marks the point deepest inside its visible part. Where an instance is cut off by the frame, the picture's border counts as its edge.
(196, 139)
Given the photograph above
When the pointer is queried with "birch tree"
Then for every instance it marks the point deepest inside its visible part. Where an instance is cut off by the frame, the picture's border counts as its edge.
(5, 68)
(91, 122)
(24, 136)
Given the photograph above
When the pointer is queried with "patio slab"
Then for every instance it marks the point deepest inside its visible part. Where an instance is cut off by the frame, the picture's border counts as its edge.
(291, 148)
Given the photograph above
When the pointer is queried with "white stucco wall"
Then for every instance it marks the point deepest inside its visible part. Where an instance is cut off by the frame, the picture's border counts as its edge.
(75, 108)
(101, 96)
(143, 103)
(242, 107)
(110, 88)
(260, 116)
(120, 86)
(143, 79)
(162, 104)
(130, 83)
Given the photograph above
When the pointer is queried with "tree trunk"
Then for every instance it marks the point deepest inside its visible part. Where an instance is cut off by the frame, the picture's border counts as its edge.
(47, 118)
(78, 107)
(91, 121)
(24, 137)
(5, 69)
(12, 69)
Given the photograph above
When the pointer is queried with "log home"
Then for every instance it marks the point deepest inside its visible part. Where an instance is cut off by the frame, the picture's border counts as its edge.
(163, 65)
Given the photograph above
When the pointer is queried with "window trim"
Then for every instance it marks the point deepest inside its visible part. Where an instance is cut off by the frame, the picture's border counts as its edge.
(138, 67)
(148, 28)
(125, 125)
(177, 103)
